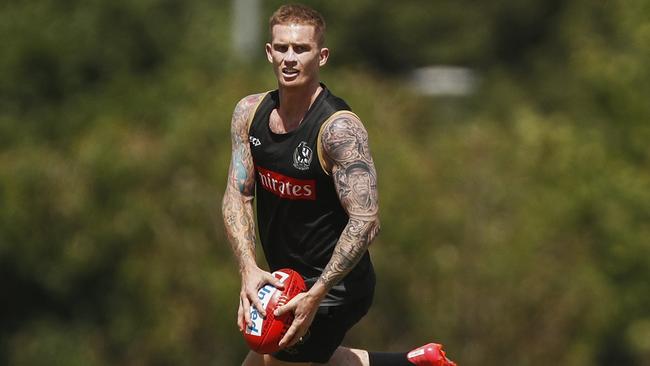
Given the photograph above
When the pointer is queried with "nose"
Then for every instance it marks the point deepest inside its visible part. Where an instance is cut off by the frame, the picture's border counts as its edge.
(290, 56)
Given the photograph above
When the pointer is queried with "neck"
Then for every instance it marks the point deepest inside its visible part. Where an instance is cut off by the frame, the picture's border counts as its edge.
(295, 102)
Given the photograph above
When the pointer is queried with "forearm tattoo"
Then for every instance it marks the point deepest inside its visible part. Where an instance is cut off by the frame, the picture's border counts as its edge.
(345, 142)
(237, 206)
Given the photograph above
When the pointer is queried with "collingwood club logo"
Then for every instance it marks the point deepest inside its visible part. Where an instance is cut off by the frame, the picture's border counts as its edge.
(302, 156)
(254, 140)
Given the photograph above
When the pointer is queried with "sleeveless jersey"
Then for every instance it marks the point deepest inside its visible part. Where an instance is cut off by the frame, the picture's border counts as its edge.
(299, 215)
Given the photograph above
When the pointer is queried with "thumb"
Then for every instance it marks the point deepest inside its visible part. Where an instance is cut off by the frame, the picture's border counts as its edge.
(289, 306)
(275, 281)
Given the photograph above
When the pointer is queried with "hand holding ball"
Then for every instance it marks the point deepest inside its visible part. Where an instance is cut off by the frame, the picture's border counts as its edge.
(264, 334)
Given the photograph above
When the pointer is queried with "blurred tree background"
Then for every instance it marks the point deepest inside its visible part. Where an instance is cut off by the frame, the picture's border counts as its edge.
(516, 220)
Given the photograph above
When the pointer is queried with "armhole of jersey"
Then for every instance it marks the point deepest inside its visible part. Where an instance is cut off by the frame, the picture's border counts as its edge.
(251, 116)
(324, 164)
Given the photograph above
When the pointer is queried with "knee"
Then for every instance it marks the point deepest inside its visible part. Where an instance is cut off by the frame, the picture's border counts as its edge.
(348, 357)
(253, 359)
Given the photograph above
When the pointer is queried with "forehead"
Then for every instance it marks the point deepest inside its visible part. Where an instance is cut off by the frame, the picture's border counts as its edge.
(293, 33)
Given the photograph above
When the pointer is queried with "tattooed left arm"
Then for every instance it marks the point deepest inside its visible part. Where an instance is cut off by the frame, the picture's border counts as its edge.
(345, 143)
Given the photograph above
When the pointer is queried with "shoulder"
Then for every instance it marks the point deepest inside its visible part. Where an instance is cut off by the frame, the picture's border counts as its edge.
(342, 120)
(250, 101)
(343, 135)
(245, 109)
(341, 125)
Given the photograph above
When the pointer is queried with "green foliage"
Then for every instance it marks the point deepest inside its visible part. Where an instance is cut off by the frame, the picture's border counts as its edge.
(515, 221)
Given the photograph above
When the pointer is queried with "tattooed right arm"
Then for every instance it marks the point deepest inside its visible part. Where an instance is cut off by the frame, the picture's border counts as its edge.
(237, 211)
(237, 206)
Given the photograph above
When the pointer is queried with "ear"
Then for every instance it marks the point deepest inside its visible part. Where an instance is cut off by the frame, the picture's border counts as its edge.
(268, 52)
(323, 56)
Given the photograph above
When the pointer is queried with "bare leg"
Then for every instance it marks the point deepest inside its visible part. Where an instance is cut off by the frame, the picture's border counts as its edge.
(349, 357)
(343, 356)
(255, 359)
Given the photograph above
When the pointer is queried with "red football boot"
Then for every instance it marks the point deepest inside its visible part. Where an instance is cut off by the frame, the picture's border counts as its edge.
(429, 355)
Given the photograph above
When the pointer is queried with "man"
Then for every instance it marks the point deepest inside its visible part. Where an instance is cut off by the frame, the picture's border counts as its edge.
(304, 157)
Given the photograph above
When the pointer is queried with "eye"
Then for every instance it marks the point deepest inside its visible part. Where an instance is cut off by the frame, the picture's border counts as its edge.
(280, 48)
(301, 48)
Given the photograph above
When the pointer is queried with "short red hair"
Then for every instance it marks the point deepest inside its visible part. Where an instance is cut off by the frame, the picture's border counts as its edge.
(299, 14)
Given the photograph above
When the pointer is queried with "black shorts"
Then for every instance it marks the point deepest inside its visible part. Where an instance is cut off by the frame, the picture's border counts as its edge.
(326, 333)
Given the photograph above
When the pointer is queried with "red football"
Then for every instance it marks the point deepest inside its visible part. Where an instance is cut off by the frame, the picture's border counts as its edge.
(264, 334)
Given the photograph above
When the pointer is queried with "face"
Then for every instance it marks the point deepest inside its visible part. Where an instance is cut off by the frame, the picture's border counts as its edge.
(359, 179)
(295, 54)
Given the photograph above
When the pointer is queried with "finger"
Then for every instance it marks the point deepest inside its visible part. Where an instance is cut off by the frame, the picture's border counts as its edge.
(291, 305)
(247, 311)
(240, 316)
(281, 310)
(258, 305)
(297, 338)
(291, 336)
(284, 309)
(275, 281)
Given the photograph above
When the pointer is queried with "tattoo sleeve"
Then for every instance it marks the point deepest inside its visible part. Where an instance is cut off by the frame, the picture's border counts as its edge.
(345, 142)
(237, 205)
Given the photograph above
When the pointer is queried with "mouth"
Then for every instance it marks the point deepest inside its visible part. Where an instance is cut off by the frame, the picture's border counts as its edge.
(289, 72)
